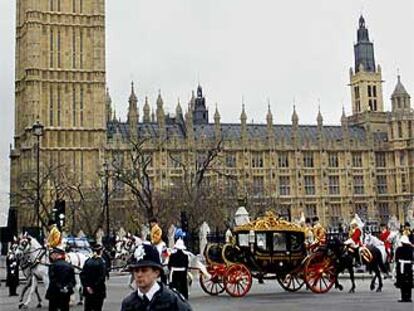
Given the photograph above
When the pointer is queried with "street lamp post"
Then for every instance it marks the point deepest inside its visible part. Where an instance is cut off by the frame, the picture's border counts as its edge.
(106, 170)
(37, 129)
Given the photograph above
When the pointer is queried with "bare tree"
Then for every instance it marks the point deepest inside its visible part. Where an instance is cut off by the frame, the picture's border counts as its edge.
(135, 176)
(52, 185)
(195, 187)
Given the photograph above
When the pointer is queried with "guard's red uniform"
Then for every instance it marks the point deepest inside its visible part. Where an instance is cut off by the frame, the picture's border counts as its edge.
(356, 236)
(387, 244)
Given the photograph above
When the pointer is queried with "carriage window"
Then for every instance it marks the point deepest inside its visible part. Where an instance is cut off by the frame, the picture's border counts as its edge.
(279, 241)
(296, 242)
(261, 241)
(243, 239)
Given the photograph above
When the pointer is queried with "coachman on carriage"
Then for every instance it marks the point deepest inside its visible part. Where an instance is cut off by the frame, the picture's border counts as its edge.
(266, 248)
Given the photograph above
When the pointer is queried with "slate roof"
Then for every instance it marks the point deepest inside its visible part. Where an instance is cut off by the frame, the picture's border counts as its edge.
(231, 131)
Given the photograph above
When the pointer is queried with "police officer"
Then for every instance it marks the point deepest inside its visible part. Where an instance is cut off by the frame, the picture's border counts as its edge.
(12, 273)
(178, 266)
(61, 281)
(93, 280)
(150, 294)
(404, 258)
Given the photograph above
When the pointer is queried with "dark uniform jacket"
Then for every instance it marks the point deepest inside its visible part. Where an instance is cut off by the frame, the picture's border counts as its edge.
(93, 275)
(163, 300)
(12, 271)
(61, 278)
(179, 278)
(404, 257)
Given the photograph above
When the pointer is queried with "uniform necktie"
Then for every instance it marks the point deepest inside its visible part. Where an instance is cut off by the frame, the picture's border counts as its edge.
(146, 301)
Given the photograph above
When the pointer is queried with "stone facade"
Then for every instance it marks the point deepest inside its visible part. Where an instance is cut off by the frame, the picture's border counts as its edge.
(364, 165)
(60, 80)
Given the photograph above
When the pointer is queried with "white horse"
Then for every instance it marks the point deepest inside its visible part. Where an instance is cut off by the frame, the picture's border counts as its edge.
(34, 259)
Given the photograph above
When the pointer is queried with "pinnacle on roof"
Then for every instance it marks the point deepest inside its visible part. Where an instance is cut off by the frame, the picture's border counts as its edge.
(216, 114)
(295, 118)
(178, 109)
(319, 118)
(132, 96)
(399, 89)
(243, 116)
(160, 102)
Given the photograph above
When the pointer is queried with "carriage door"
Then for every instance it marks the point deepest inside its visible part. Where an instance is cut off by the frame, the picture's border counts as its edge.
(279, 246)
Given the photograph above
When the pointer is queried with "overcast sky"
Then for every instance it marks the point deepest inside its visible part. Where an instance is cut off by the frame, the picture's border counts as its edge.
(287, 51)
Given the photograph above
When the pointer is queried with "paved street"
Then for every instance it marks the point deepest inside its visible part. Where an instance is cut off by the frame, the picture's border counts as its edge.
(261, 297)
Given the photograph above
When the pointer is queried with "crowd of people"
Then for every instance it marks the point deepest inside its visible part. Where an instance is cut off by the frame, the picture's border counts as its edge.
(151, 289)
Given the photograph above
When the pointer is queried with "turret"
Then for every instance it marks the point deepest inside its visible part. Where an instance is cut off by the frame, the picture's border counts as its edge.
(132, 117)
(366, 78)
(147, 111)
(217, 126)
(400, 99)
(269, 122)
(200, 111)
(243, 124)
(160, 115)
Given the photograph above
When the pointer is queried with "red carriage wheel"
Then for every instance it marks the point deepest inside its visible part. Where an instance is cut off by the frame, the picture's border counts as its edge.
(215, 284)
(319, 273)
(238, 280)
(291, 282)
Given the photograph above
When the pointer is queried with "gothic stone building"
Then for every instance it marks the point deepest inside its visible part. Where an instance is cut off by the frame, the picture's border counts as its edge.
(364, 165)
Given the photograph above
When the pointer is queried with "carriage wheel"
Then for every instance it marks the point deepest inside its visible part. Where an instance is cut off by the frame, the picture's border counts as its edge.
(213, 285)
(291, 282)
(238, 280)
(320, 273)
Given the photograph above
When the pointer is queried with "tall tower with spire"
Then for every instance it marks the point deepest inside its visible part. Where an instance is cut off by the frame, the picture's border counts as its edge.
(366, 82)
(366, 78)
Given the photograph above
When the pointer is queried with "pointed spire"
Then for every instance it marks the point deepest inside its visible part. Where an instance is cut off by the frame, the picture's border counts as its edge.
(343, 116)
(243, 116)
(216, 115)
(160, 102)
(115, 119)
(399, 88)
(295, 118)
(269, 116)
(191, 104)
(178, 109)
(132, 96)
(147, 111)
(319, 118)
(364, 49)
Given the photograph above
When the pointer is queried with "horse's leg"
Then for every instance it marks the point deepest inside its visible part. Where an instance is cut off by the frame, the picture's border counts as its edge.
(39, 299)
(372, 285)
(78, 288)
(337, 284)
(24, 290)
(378, 275)
(31, 292)
(351, 276)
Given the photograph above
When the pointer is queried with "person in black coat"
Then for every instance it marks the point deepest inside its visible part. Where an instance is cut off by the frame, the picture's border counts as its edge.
(178, 266)
(150, 294)
(12, 273)
(93, 280)
(61, 281)
(404, 257)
